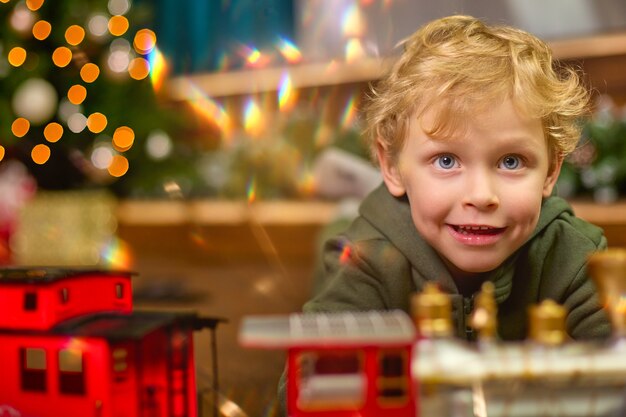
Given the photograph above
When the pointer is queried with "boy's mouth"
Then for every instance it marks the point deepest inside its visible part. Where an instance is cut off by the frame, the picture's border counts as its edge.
(472, 230)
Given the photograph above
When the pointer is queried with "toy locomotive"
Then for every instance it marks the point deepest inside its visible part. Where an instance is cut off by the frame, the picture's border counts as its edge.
(71, 345)
(385, 363)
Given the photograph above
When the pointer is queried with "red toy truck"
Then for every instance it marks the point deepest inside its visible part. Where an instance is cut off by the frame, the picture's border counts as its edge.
(71, 345)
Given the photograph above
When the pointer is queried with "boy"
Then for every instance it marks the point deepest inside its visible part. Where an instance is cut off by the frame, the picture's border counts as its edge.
(470, 129)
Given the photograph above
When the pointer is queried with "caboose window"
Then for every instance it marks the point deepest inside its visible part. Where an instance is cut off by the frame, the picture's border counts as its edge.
(33, 369)
(331, 379)
(119, 290)
(391, 365)
(30, 301)
(71, 372)
(392, 377)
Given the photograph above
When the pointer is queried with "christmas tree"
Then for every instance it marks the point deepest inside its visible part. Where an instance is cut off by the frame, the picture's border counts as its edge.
(80, 101)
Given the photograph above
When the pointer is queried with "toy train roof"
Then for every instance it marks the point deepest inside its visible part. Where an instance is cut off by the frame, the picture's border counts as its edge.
(50, 274)
(117, 326)
(336, 329)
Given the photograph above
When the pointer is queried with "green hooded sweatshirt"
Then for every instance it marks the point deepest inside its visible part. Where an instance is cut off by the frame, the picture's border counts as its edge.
(381, 260)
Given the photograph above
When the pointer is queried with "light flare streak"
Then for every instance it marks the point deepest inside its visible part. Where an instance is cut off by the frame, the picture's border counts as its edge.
(209, 109)
(289, 51)
(251, 190)
(349, 113)
(354, 50)
(286, 94)
(117, 254)
(353, 22)
(158, 68)
(345, 254)
(253, 121)
(253, 57)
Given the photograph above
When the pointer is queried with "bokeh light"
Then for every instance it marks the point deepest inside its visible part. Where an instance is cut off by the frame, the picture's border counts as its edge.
(40, 154)
(22, 19)
(53, 132)
(62, 56)
(118, 25)
(173, 189)
(123, 138)
(98, 25)
(34, 4)
(2, 152)
(118, 61)
(17, 56)
(77, 122)
(89, 72)
(145, 41)
(67, 109)
(120, 44)
(139, 68)
(102, 156)
(74, 35)
(119, 166)
(158, 145)
(118, 6)
(41, 30)
(77, 94)
(96, 122)
(35, 99)
(20, 127)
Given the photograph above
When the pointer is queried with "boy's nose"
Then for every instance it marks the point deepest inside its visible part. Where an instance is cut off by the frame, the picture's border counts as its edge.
(480, 192)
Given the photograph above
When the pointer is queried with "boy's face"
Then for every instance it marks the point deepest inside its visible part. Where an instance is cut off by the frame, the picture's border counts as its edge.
(476, 197)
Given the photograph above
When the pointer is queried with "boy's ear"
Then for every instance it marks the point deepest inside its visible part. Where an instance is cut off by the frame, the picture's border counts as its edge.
(390, 171)
(553, 175)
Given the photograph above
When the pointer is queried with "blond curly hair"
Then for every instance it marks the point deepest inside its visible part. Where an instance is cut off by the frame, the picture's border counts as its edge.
(458, 65)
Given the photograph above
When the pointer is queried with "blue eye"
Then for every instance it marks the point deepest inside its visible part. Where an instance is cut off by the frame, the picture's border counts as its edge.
(446, 161)
(510, 162)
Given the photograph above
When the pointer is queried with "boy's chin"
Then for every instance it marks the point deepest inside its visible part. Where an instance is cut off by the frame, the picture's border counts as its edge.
(473, 268)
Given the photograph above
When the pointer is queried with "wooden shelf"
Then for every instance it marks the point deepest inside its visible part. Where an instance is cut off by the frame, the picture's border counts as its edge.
(601, 214)
(270, 79)
(220, 84)
(288, 213)
(219, 212)
(590, 47)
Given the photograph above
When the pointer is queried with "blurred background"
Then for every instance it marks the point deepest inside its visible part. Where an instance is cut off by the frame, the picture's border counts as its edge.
(208, 144)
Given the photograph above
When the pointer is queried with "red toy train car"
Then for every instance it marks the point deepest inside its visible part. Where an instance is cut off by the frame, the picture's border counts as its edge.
(342, 365)
(71, 345)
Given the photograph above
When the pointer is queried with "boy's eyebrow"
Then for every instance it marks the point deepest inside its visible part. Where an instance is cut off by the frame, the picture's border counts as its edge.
(516, 143)
(522, 142)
